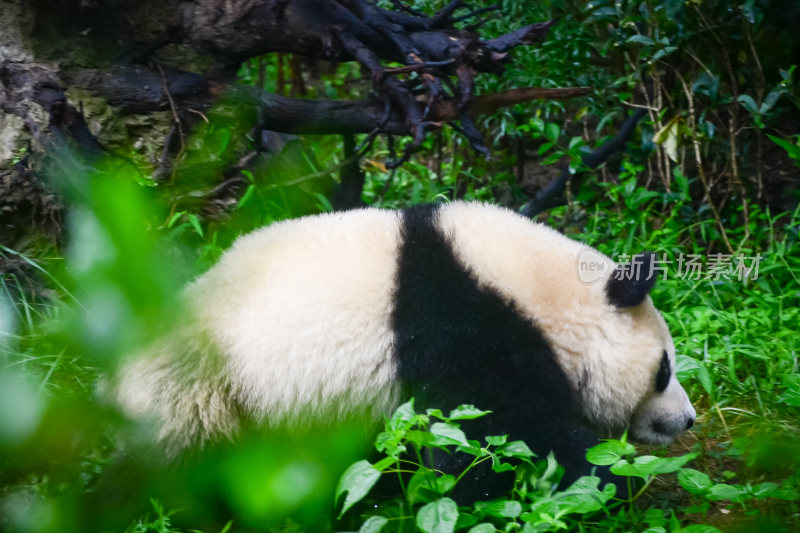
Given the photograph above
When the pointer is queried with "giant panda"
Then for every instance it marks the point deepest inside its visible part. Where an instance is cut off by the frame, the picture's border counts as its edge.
(309, 321)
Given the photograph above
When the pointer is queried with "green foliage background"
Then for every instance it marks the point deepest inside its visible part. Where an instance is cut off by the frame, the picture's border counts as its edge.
(713, 170)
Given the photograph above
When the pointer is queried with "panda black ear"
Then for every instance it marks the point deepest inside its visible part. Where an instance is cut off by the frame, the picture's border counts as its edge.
(629, 284)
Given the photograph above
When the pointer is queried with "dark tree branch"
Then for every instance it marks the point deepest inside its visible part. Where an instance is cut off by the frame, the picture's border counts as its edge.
(351, 177)
(142, 90)
(551, 194)
(527, 35)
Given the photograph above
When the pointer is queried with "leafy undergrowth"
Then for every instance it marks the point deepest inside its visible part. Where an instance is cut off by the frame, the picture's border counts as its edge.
(534, 504)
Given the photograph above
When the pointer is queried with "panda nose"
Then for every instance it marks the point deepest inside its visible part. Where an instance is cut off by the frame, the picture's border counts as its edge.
(689, 422)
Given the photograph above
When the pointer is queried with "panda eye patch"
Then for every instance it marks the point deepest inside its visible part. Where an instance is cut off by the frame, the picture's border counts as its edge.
(662, 378)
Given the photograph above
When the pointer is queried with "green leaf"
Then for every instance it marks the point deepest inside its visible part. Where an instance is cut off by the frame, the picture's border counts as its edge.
(483, 527)
(425, 485)
(664, 52)
(516, 449)
(649, 465)
(251, 189)
(700, 528)
(499, 509)
(609, 452)
(465, 520)
(723, 491)
(765, 490)
(748, 103)
(195, 223)
(553, 158)
(545, 147)
(705, 379)
(498, 440)
(694, 481)
(576, 142)
(792, 149)
(174, 218)
(403, 416)
(324, 204)
(357, 481)
(466, 412)
(373, 524)
(473, 449)
(498, 465)
(641, 39)
(248, 175)
(583, 496)
(438, 517)
(792, 394)
(552, 131)
(446, 433)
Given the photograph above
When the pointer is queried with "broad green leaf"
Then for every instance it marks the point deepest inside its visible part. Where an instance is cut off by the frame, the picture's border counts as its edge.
(552, 131)
(474, 449)
(583, 496)
(391, 442)
(516, 449)
(498, 440)
(685, 366)
(765, 490)
(748, 103)
(575, 142)
(705, 379)
(694, 481)
(648, 465)
(425, 485)
(436, 413)
(482, 528)
(641, 39)
(357, 481)
(466, 412)
(792, 149)
(700, 528)
(445, 433)
(373, 524)
(609, 452)
(438, 517)
(552, 158)
(403, 415)
(792, 394)
(465, 520)
(499, 509)
(498, 465)
(723, 491)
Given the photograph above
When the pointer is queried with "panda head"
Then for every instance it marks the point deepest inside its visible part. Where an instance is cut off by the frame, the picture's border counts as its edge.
(634, 383)
(600, 323)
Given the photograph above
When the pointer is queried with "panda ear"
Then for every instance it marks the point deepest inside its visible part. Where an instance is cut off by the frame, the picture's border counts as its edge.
(629, 284)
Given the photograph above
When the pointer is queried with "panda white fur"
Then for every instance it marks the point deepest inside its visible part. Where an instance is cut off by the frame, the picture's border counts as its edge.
(312, 320)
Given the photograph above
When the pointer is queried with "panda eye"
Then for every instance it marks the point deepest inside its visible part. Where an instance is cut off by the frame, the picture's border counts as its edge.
(662, 378)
